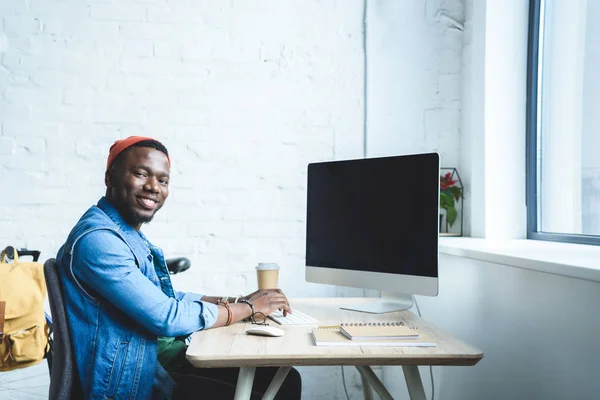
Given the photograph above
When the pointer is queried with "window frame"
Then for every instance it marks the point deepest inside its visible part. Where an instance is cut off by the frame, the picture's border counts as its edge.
(533, 65)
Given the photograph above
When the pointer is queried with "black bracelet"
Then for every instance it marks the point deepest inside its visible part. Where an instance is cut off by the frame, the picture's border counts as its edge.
(249, 303)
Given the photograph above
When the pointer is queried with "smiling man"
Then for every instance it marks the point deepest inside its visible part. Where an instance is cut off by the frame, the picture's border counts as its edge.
(127, 323)
(129, 178)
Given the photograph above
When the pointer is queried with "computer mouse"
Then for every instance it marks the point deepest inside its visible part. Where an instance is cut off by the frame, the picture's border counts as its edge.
(265, 330)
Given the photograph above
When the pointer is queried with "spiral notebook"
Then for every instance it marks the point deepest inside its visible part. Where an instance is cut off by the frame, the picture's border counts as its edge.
(331, 336)
(379, 332)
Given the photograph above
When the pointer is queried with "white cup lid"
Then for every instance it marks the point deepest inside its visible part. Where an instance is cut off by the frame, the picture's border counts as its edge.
(263, 266)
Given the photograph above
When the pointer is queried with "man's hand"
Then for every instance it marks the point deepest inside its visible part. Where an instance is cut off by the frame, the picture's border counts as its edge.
(268, 300)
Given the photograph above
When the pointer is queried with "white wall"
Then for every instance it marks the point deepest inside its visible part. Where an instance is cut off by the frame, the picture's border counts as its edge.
(243, 93)
(538, 332)
(413, 78)
(472, 112)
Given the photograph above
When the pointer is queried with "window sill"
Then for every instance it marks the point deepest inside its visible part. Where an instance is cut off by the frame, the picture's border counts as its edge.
(566, 259)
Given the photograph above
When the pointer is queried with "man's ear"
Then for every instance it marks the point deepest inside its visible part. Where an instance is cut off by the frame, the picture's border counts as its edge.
(108, 179)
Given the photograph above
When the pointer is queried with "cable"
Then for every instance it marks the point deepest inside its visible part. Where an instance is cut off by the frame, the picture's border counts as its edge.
(344, 382)
(430, 367)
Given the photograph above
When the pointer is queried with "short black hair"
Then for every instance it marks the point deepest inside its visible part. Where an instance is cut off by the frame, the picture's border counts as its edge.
(155, 144)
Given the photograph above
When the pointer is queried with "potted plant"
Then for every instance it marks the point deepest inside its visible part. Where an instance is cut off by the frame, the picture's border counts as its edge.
(450, 193)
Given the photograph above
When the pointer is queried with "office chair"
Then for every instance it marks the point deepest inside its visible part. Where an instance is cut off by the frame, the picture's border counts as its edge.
(177, 265)
(64, 381)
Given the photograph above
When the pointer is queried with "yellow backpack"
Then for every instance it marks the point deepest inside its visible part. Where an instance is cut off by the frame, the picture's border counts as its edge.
(23, 327)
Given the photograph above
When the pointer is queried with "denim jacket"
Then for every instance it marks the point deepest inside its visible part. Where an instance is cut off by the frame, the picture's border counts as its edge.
(117, 306)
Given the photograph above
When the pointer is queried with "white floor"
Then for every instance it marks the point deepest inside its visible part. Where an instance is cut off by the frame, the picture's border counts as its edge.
(25, 384)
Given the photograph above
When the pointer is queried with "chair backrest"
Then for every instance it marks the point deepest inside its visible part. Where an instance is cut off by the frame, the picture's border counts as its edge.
(64, 381)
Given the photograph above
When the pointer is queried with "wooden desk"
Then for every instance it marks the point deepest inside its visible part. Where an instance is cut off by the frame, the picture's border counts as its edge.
(232, 347)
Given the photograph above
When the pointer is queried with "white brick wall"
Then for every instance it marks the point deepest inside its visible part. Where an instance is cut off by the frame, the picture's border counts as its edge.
(414, 78)
(243, 93)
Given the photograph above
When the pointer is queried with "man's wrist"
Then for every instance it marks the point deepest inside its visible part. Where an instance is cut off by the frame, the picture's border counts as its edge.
(249, 303)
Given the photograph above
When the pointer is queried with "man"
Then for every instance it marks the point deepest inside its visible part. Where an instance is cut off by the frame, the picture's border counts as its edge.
(127, 322)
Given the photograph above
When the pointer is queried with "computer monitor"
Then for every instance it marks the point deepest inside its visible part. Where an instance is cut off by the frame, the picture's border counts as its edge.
(374, 223)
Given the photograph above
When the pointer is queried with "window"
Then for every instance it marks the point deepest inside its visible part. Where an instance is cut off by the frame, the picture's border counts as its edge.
(563, 121)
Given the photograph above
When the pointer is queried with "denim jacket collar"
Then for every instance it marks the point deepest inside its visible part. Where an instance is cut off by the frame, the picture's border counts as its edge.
(139, 242)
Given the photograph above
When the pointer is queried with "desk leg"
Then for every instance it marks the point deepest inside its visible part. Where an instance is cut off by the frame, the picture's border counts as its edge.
(276, 383)
(367, 388)
(367, 373)
(243, 389)
(413, 382)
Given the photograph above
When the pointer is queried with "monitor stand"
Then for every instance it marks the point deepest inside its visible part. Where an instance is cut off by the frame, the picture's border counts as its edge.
(389, 302)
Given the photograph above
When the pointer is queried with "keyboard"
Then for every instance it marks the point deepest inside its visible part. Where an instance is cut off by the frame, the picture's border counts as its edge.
(295, 318)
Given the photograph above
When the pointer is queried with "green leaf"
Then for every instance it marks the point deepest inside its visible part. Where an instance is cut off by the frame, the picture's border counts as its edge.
(456, 192)
(448, 202)
(452, 202)
(451, 214)
(443, 200)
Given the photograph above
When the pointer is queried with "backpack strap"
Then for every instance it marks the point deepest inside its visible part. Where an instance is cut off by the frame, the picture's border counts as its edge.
(2, 310)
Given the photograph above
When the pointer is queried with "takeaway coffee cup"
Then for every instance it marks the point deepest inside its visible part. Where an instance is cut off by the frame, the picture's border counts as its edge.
(267, 275)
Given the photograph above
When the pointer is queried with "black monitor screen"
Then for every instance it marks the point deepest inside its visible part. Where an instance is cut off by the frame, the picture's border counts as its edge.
(374, 214)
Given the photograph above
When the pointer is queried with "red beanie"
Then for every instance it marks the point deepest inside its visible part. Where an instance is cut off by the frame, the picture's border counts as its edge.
(121, 145)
